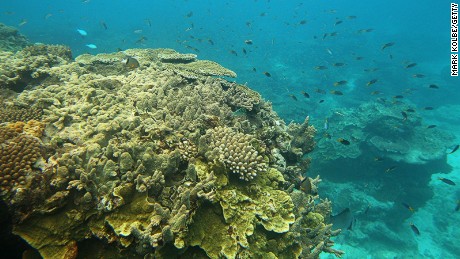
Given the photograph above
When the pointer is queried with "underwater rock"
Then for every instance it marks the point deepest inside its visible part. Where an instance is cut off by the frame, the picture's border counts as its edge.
(141, 159)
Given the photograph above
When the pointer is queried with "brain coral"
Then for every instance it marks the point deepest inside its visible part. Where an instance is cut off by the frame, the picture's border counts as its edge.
(18, 152)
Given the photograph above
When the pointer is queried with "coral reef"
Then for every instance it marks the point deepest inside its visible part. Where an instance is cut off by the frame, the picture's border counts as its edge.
(31, 66)
(234, 149)
(11, 39)
(10, 113)
(380, 128)
(149, 161)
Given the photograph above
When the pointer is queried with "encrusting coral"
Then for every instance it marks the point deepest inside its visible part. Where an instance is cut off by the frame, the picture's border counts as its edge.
(148, 161)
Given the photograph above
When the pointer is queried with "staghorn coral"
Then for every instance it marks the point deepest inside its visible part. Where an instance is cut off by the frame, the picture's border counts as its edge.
(235, 150)
(11, 39)
(138, 161)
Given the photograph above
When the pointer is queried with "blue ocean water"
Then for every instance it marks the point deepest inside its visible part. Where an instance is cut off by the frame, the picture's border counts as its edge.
(290, 39)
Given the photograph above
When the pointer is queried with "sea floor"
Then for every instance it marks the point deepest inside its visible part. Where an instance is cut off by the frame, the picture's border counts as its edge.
(377, 236)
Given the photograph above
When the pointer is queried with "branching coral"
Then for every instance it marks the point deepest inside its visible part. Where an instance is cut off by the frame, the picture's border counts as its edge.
(235, 150)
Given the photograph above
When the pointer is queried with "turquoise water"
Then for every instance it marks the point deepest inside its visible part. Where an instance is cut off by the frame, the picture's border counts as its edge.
(289, 39)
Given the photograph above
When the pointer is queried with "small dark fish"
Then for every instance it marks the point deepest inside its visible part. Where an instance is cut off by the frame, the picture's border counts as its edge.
(454, 149)
(148, 22)
(431, 126)
(448, 181)
(373, 81)
(390, 169)
(429, 108)
(418, 76)
(332, 34)
(343, 220)
(343, 141)
(248, 24)
(411, 65)
(351, 17)
(378, 159)
(375, 92)
(404, 114)
(367, 209)
(336, 92)
(249, 42)
(303, 22)
(320, 91)
(407, 206)
(141, 40)
(131, 63)
(211, 42)
(305, 94)
(325, 35)
(233, 52)
(398, 97)
(338, 64)
(305, 185)
(386, 45)
(321, 101)
(370, 69)
(457, 208)
(365, 30)
(104, 25)
(244, 51)
(339, 83)
(359, 58)
(263, 14)
(293, 97)
(320, 67)
(410, 110)
(338, 22)
(433, 86)
(414, 229)
(190, 14)
(267, 74)
(254, 69)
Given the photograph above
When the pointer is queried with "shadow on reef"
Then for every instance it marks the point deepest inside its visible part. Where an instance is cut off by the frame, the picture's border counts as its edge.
(163, 160)
(12, 246)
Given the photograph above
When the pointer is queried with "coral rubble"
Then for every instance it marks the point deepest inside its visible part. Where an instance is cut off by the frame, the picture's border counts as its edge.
(149, 160)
